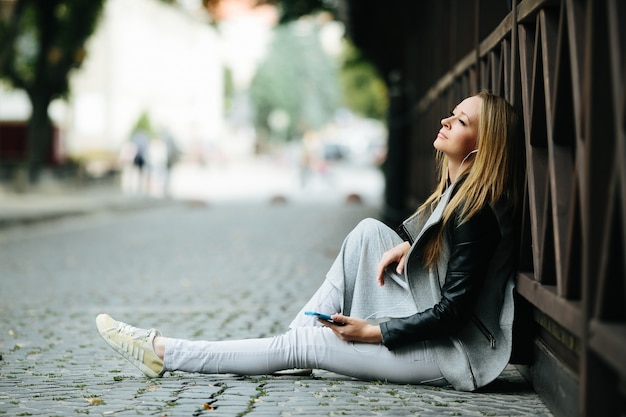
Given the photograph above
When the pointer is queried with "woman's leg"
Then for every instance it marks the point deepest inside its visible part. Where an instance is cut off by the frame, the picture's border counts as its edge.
(350, 286)
(353, 273)
(303, 347)
(327, 299)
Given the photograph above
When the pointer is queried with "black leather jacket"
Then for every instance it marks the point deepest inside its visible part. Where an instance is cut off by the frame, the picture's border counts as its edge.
(472, 246)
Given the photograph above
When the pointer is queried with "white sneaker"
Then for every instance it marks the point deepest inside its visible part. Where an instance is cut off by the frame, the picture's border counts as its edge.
(132, 343)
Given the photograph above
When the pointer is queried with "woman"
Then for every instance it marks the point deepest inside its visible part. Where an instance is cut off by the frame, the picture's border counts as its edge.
(430, 305)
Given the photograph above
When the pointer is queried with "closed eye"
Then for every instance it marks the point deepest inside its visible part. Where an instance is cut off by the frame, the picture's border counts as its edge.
(460, 121)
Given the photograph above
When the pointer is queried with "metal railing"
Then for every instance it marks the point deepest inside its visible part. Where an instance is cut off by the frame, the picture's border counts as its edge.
(563, 65)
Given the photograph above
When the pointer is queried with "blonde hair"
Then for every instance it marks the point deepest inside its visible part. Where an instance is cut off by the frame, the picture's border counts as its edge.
(493, 174)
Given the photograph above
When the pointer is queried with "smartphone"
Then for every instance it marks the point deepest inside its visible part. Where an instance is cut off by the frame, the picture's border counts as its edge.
(324, 317)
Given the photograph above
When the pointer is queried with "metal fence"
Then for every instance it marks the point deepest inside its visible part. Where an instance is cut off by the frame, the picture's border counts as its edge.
(563, 65)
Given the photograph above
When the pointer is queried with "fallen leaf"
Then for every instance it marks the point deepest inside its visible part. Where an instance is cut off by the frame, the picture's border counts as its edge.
(94, 401)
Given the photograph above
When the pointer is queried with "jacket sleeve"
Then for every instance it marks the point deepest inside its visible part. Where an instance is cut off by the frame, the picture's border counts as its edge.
(472, 244)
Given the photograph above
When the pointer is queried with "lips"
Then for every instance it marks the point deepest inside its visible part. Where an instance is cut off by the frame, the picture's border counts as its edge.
(441, 135)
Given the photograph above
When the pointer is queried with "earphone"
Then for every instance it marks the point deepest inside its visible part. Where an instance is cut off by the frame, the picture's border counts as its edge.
(467, 156)
(463, 161)
(408, 295)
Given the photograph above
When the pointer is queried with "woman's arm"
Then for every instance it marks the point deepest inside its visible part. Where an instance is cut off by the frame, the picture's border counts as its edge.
(395, 256)
(472, 244)
(359, 330)
(353, 329)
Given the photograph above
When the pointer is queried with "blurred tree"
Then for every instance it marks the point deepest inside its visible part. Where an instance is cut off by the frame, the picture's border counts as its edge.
(144, 124)
(364, 91)
(41, 41)
(294, 9)
(229, 89)
(290, 10)
(298, 78)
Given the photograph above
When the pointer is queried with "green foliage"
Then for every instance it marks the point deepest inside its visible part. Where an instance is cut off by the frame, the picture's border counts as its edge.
(144, 124)
(43, 41)
(298, 78)
(229, 89)
(291, 10)
(364, 92)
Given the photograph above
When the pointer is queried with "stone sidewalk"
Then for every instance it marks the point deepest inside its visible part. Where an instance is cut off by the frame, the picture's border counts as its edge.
(54, 364)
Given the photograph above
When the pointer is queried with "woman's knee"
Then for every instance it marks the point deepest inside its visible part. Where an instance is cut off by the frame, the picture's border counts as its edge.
(373, 228)
(369, 225)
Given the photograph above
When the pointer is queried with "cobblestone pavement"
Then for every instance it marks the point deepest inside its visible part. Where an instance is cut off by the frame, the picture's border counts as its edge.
(217, 271)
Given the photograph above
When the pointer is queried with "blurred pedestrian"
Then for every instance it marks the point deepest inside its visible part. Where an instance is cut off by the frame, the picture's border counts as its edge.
(432, 304)
(157, 167)
(133, 160)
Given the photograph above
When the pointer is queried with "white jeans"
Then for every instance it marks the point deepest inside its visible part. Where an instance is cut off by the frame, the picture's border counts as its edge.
(307, 344)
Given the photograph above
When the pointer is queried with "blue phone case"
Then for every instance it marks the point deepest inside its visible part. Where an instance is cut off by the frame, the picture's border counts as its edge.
(322, 316)
(319, 315)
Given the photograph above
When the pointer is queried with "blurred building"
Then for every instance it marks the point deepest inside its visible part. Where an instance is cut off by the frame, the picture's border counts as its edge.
(145, 57)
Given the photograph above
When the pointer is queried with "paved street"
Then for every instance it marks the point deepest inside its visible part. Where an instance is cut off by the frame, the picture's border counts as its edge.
(210, 270)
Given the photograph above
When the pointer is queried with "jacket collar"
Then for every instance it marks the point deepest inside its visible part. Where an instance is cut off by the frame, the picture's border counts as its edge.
(437, 209)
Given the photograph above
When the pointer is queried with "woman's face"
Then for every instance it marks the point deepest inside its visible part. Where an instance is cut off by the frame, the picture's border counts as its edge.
(459, 131)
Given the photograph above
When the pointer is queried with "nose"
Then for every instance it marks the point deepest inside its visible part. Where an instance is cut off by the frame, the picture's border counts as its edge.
(445, 122)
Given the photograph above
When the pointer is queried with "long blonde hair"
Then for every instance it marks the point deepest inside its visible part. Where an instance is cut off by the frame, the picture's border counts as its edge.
(493, 173)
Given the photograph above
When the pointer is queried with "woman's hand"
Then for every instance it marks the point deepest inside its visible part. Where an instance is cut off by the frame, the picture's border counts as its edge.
(353, 329)
(394, 255)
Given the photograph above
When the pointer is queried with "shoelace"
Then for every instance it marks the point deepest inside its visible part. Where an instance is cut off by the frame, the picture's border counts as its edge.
(134, 332)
